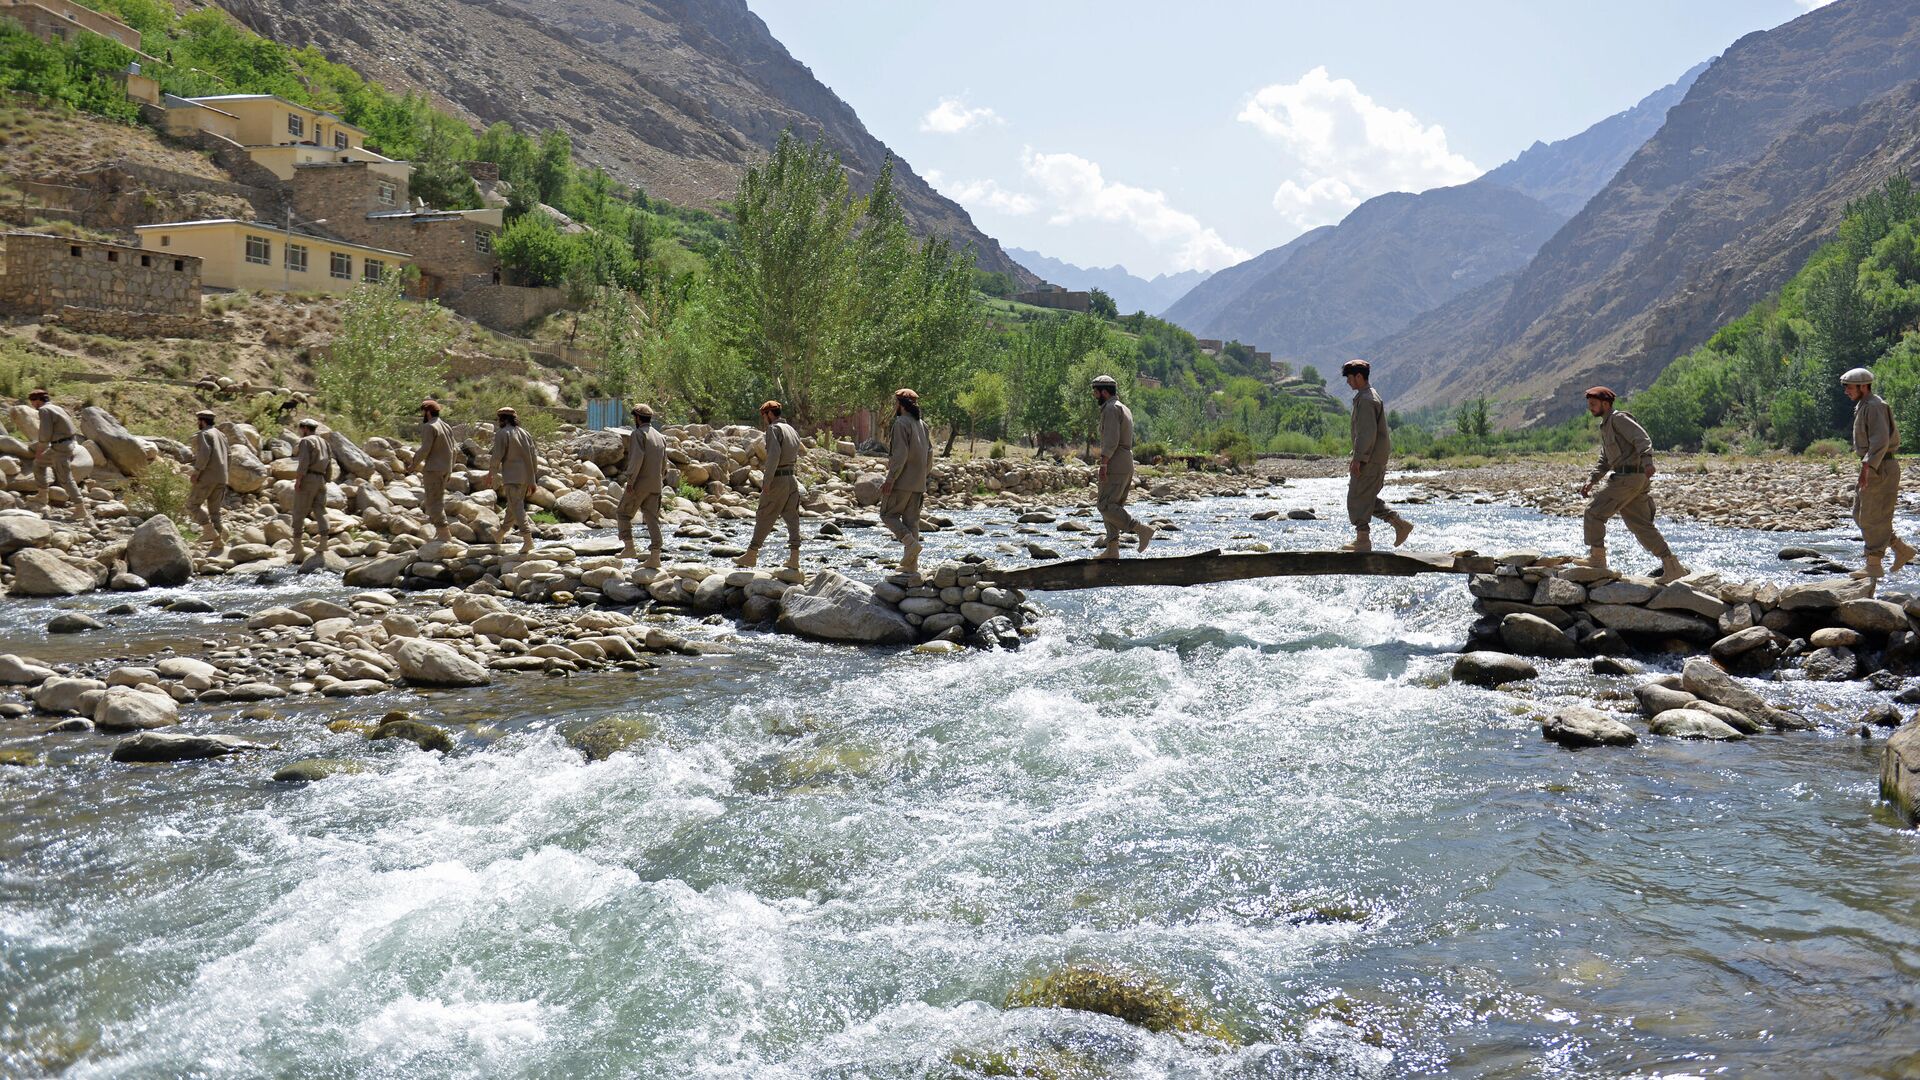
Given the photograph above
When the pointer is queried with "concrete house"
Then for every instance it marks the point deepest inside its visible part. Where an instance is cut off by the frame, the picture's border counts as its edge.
(257, 255)
(41, 274)
(60, 20)
(368, 203)
(277, 133)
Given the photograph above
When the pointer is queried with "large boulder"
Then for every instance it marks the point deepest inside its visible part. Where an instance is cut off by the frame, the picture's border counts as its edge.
(1872, 616)
(1900, 771)
(833, 607)
(1823, 595)
(352, 460)
(123, 708)
(21, 531)
(607, 449)
(1704, 680)
(429, 663)
(866, 490)
(378, 573)
(157, 552)
(1691, 724)
(16, 670)
(118, 445)
(42, 573)
(1492, 669)
(246, 473)
(574, 506)
(1639, 620)
(1577, 726)
(1749, 651)
(1531, 635)
(64, 696)
(150, 746)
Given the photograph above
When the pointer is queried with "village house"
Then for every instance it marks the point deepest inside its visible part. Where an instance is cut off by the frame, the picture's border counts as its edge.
(60, 20)
(276, 133)
(258, 255)
(42, 274)
(368, 203)
(1053, 296)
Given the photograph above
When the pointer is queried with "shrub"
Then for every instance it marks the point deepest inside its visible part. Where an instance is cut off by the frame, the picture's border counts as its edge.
(159, 490)
(1151, 453)
(691, 493)
(997, 451)
(1292, 442)
(1827, 448)
(1233, 444)
(1136, 998)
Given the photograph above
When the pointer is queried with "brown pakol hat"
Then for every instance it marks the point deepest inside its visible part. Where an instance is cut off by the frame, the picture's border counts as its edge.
(1602, 393)
(769, 406)
(645, 412)
(204, 414)
(505, 410)
(37, 392)
(903, 392)
(430, 405)
(1356, 365)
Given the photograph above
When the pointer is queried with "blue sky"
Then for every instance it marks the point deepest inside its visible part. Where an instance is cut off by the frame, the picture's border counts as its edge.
(1175, 136)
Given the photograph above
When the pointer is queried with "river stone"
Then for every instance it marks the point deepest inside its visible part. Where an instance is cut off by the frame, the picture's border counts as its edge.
(1831, 665)
(19, 532)
(1679, 596)
(122, 708)
(835, 608)
(1749, 651)
(606, 737)
(921, 605)
(711, 593)
(317, 609)
(378, 573)
(42, 573)
(1586, 575)
(1624, 591)
(156, 551)
(1559, 592)
(1639, 620)
(115, 443)
(16, 670)
(1834, 637)
(73, 622)
(1900, 771)
(1739, 617)
(309, 770)
(1494, 587)
(246, 473)
(1691, 724)
(182, 667)
(1530, 635)
(1613, 665)
(575, 506)
(352, 460)
(421, 734)
(267, 618)
(149, 746)
(252, 691)
(501, 624)
(979, 614)
(1703, 680)
(1822, 595)
(354, 688)
(1872, 616)
(429, 663)
(1492, 669)
(1577, 726)
(1500, 609)
(1656, 698)
(64, 696)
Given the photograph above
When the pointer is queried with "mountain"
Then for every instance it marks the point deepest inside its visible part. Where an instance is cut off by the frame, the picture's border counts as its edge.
(1398, 256)
(1130, 292)
(675, 96)
(1748, 173)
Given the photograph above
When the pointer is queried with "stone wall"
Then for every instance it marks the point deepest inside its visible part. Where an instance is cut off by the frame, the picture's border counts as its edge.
(344, 194)
(117, 196)
(40, 274)
(129, 324)
(1057, 298)
(507, 308)
(446, 249)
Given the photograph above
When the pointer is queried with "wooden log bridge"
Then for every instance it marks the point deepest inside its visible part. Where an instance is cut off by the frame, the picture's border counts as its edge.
(1210, 566)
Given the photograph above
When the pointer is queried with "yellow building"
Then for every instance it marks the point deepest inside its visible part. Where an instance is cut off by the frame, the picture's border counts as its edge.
(258, 256)
(271, 120)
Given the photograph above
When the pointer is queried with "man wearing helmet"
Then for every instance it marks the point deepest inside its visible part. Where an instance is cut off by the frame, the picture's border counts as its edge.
(1624, 476)
(1877, 440)
(1116, 468)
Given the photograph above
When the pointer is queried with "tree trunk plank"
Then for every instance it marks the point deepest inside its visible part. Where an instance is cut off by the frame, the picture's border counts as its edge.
(1211, 566)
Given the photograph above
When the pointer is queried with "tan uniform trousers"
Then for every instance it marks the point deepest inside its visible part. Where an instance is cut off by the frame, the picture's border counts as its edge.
(1363, 495)
(433, 498)
(779, 500)
(309, 501)
(1625, 494)
(900, 513)
(647, 506)
(1112, 499)
(203, 502)
(55, 466)
(514, 498)
(1873, 504)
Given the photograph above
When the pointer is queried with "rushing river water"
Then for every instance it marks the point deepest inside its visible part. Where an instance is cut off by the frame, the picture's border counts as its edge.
(834, 863)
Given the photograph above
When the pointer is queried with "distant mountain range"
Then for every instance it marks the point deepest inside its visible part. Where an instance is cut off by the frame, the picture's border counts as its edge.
(1130, 292)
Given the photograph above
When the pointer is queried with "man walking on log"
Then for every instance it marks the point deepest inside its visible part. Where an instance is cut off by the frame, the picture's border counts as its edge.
(646, 472)
(1367, 469)
(1876, 438)
(905, 489)
(1624, 474)
(209, 480)
(1116, 468)
(779, 490)
(314, 462)
(434, 462)
(53, 458)
(514, 472)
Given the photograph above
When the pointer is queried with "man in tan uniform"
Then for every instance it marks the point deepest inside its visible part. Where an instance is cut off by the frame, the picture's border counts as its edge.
(646, 473)
(315, 463)
(209, 480)
(1116, 468)
(1367, 469)
(779, 490)
(53, 456)
(1624, 473)
(434, 462)
(514, 471)
(905, 490)
(1876, 438)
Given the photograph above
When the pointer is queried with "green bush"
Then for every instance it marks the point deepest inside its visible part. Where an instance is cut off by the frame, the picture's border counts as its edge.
(1232, 444)
(997, 451)
(1150, 453)
(1828, 448)
(159, 490)
(690, 492)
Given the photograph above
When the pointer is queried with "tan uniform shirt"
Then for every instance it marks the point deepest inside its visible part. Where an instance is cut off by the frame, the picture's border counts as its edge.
(783, 447)
(1371, 442)
(436, 448)
(56, 425)
(1116, 429)
(647, 459)
(1624, 446)
(513, 455)
(911, 455)
(1875, 435)
(314, 459)
(210, 457)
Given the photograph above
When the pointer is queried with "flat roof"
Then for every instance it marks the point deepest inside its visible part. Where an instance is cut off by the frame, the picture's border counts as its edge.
(187, 102)
(284, 101)
(80, 240)
(268, 226)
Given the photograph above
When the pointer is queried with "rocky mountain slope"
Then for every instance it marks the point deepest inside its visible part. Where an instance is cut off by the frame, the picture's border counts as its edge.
(1398, 255)
(1130, 292)
(677, 96)
(1747, 174)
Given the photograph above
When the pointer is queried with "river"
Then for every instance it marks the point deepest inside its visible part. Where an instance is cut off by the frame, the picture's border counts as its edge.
(834, 863)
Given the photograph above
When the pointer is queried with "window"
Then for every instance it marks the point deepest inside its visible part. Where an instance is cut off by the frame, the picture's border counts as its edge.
(339, 140)
(166, 241)
(297, 258)
(388, 193)
(180, 264)
(371, 269)
(259, 250)
(73, 250)
(146, 260)
(340, 265)
(296, 125)
(483, 240)
(113, 256)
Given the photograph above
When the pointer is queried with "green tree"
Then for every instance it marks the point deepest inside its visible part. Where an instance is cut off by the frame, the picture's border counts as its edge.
(533, 250)
(1101, 304)
(1311, 376)
(984, 402)
(1474, 421)
(554, 167)
(388, 354)
(615, 329)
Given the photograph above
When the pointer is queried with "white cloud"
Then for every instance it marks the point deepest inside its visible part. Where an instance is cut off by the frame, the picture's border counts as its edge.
(1076, 190)
(982, 195)
(1348, 147)
(1809, 5)
(953, 116)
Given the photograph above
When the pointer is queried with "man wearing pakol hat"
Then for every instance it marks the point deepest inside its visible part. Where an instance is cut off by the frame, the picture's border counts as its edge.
(514, 472)
(313, 460)
(209, 480)
(908, 459)
(779, 490)
(646, 473)
(52, 455)
(1876, 438)
(1367, 469)
(1116, 468)
(1624, 474)
(434, 462)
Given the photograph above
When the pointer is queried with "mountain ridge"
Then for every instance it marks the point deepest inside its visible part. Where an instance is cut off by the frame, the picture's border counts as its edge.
(1130, 291)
